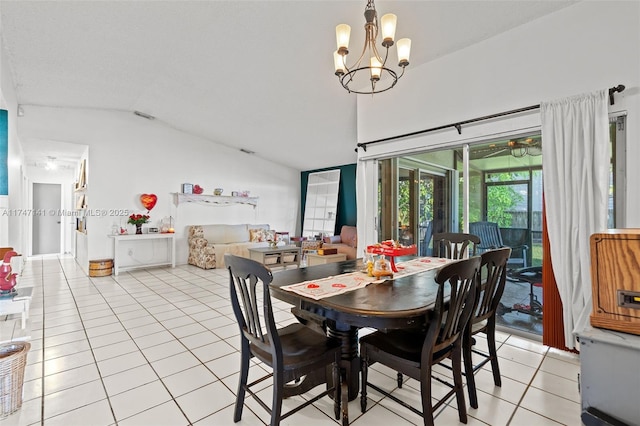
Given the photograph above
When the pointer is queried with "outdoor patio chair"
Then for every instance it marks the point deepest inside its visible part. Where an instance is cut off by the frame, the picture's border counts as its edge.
(491, 238)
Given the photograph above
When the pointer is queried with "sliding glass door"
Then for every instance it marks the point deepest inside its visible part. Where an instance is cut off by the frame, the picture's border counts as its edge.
(423, 194)
(421, 204)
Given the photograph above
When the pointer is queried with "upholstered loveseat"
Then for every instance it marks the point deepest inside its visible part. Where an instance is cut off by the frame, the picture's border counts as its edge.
(209, 243)
(346, 242)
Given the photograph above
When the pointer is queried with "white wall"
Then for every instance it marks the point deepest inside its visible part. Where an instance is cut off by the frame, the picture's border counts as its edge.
(129, 156)
(12, 228)
(582, 48)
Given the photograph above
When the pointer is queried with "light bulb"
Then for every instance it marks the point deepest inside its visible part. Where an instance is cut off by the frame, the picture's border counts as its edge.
(343, 32)
(404, 51)
(388, 24)
(376, 69)
(338, 63)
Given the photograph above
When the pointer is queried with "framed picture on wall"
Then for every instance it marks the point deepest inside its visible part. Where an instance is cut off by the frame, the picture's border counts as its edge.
(187, 188)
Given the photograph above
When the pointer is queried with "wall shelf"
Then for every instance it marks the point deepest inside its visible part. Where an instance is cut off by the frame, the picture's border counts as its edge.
(222, 200)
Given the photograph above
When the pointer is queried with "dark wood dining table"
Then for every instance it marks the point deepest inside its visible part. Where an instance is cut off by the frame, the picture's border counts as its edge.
(393, 304)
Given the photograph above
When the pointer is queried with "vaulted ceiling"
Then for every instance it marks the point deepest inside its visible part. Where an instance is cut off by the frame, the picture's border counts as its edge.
(256, 75)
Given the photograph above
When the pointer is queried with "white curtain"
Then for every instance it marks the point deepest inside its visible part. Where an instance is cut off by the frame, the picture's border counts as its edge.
(575, 160)
(367, 202)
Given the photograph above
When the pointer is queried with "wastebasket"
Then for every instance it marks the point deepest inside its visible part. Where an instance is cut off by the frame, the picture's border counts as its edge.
(100, 267)
(13, 358)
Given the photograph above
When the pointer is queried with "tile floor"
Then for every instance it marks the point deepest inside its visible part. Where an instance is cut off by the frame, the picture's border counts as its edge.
(159, 347)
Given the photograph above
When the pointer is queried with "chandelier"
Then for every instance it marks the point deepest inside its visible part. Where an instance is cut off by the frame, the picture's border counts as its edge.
(370, 65)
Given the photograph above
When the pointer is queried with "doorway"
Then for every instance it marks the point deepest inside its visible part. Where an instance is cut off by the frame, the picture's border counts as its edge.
(46, 220)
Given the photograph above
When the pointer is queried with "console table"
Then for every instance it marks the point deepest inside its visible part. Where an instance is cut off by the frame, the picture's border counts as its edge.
(17, 303)
(279, 256)
(133, 251)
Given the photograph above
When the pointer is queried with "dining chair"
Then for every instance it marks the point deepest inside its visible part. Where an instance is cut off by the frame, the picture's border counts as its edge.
(291, 352)
(493, 274)
(413, 353)
(455, 245)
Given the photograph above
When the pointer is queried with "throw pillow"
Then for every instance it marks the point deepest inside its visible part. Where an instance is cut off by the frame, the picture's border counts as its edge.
(269, 235)
(257, 235)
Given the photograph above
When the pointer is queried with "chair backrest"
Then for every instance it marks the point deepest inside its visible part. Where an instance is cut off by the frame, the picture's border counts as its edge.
(455, 245)
(489, 234)
(493, 276)
(426, 239)
(460, 281)
(251, 301)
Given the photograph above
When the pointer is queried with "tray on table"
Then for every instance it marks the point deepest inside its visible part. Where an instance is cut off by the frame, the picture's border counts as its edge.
(392, 252)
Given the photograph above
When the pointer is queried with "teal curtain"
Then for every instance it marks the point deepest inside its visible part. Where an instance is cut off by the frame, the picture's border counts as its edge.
(347, 210)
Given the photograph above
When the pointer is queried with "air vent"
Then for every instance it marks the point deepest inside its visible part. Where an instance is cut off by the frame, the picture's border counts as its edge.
(143, 115)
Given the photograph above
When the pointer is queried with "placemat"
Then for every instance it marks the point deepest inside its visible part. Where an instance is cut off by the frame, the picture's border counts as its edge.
(332, 286)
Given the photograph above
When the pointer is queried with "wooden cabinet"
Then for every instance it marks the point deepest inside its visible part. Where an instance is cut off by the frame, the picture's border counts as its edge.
(615, 278)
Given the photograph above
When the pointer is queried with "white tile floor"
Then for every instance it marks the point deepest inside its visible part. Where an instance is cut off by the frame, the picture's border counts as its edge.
(159, 347)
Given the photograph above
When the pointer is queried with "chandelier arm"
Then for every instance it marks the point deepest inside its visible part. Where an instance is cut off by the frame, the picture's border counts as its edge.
(344, 62)
(359, 60)
(374, 50)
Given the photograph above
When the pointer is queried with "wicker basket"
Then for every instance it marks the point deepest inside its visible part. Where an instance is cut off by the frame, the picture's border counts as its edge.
(13, 358)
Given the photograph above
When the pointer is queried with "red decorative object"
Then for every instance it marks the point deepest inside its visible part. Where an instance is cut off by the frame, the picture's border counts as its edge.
(8, 255)
(392, 252)
(7, 279)
(197, 189)
(148, 201)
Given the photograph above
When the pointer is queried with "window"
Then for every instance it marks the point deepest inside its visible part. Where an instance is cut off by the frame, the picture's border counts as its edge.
(617, 173)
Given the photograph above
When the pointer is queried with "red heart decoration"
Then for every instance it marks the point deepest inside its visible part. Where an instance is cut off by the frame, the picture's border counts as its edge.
(338, 285)
(148, 201)
(313, 286)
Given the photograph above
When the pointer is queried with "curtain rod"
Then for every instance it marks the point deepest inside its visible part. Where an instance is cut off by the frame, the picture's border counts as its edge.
(459, 124)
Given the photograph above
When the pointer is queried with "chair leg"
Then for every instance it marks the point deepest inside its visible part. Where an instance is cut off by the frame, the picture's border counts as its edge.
(425, 394)
(491, 342)
(399, 378)
(242, 381)
(345, 403)
(337, 388)
(278, 391)
(456, 363)
(467, 344)
(364, 370)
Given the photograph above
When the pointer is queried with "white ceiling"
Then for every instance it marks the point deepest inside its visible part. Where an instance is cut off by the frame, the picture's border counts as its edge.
(248, 74)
